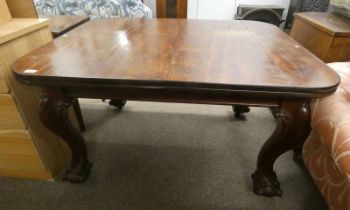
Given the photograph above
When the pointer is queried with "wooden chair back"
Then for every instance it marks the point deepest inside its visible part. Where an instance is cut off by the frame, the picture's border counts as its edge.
(172, 8)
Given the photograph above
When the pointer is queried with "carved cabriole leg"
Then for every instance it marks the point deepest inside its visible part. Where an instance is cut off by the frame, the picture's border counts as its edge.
(78, 114)
(54, 114)
(292, 130)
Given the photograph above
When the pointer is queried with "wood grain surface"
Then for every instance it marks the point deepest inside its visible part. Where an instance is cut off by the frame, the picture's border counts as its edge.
(331, 23)
(240, 55)
(161, 8)
(4, 12)
(23, 161)
(61, 24)
(18, 27)
(327, 35)
(171, 8)
(3, 86)
(10, 119)
(22, 8)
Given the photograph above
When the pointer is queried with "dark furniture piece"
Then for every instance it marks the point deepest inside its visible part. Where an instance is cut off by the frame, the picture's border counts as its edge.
(327, 35)
(263, 13)
(171, 8)
(201, 63)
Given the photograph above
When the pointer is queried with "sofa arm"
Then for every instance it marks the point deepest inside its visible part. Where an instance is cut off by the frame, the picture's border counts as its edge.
(331, 120)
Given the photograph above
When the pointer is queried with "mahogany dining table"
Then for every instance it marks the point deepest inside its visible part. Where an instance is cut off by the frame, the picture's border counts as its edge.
(241, 63)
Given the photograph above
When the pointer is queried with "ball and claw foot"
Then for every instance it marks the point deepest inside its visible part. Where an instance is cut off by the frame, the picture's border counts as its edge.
(266, 185)
(78, 176)
(117, 103)
(240, 110)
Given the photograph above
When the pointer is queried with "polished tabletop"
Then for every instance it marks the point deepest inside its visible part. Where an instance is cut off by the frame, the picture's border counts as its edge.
(242, 55)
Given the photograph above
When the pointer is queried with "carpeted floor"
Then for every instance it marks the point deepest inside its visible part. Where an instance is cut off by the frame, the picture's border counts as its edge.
(169, 156)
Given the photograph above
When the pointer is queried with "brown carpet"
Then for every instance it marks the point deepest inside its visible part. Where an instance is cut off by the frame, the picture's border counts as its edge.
(169, 156)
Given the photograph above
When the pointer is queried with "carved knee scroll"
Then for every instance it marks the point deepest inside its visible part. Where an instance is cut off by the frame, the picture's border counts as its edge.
(292, 129)
(54, 113)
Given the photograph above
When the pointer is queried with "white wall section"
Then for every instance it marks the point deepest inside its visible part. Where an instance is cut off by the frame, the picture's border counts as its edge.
(219, 9)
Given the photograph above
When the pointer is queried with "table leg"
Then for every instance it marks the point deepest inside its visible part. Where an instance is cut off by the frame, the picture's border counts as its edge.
(117, 103)
(78, 114)
(239, 110)
(54, 114)
(292, 130)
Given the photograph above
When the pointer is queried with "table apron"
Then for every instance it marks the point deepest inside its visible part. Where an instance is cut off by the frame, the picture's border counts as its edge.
(188, 95)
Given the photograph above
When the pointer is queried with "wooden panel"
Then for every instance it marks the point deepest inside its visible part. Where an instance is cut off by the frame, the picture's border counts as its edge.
(4, 12)
(53, 152)
(172, 8)
(3, 87)
(9, 115)
(19, 27)
(23, 161)
(161, 8)
(22, 8)
(339, 50)
(318, 42)
(331, 23)
(326, 35)
(181, 9)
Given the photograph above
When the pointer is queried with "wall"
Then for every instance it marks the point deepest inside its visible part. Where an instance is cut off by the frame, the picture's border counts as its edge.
(219, 9)
(226, 9)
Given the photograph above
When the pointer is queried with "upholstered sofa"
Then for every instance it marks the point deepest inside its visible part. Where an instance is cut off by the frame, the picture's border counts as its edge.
(326, 152)
(93, 8)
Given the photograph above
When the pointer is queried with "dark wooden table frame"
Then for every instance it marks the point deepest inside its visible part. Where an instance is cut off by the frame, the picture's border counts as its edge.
(289, 77)
(293, 120)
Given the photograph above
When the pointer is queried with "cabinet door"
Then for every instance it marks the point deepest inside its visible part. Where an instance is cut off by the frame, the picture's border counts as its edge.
(10, 119)
(3, 86)
(4, 12)
(19, 157)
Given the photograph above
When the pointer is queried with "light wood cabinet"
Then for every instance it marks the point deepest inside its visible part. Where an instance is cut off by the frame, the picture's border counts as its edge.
(327, 35)
(27, 148)
(4, 12)
(10, 118)
(3, 85)
(22, 8)
(19, 157)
